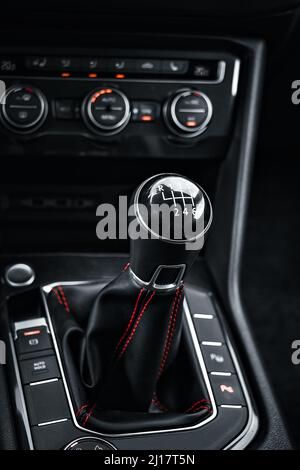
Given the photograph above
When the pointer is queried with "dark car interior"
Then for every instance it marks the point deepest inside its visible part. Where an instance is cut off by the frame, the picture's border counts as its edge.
(111, 343)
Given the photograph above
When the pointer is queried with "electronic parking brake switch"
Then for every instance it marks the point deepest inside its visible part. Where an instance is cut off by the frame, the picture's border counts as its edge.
(44, 392)
(33, 339)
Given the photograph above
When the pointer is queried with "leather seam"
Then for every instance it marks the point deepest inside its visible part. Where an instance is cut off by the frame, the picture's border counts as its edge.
(80, 409)
(171, 330)
(198, 405)
(139, 318)
(57, 295)
(132, 317)
(87, 417)
(64, 299)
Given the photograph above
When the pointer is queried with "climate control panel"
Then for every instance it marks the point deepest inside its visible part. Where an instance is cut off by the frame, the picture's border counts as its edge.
(155, 107)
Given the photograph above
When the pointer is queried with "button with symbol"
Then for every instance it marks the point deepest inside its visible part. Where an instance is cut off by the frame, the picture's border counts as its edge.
(121, 65)
(89, 443)
(227, 390)
(148, 66)
(94, 64)
(33, 339)
(39, 368)
(217, 359)
(145, 111)
(175, 66)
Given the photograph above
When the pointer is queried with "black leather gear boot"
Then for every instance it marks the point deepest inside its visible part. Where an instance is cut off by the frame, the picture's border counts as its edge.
(127, 351)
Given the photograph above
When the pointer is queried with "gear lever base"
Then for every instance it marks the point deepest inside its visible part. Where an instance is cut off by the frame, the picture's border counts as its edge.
(167, 401)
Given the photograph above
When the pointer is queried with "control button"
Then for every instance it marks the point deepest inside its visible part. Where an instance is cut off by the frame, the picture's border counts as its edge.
(207, 70)
(39, 63)
(200, 302)
(66, 109)
(208, 330)
(217, 358)
(33, 339)
(106, 110)
(25, 108)
(121, 65)
(94, 64)
(148, 66)
(40, 368)
(188, 113)
(227, 390)
(65, 63)
(19, 275)
(68, 63)
(46, 402)
(8, 65)
(89, 443)
(145, 111)
(175, 66)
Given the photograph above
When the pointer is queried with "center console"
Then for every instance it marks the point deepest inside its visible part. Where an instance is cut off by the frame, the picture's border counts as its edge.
(92, 124)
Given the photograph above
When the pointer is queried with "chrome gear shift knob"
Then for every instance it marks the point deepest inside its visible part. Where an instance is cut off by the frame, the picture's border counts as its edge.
(173, 214)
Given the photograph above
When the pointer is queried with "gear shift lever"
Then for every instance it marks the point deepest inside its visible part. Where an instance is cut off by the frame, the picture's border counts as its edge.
(174, 214)
(128, 356)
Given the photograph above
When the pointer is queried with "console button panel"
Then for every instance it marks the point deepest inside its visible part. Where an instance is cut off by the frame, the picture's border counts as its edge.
(207, 69)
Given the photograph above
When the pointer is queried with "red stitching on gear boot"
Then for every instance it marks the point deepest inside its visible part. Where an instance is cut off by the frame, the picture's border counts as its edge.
(197, 403)
(168, 331)
(171, 329)
(131, 319)
(129, 339)
(64, 299)
(57, 296)
(87, 417)
(81, 409)
(155, 400)
(202, 407)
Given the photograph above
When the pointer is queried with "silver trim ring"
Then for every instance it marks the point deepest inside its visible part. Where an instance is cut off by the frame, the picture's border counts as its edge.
(28, 270)
(91, 121)
(195, 130)
(25, 128)
(160, 237)
(90, 438)
(174, 125)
